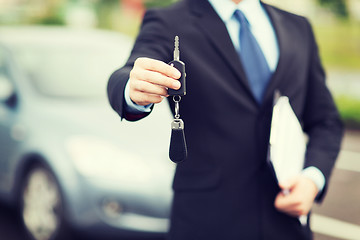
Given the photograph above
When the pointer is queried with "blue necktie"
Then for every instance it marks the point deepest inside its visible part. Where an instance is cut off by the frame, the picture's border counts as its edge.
(255, 65)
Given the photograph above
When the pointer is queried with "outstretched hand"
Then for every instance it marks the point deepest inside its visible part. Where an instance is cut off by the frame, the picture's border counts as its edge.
(300, 197)
(150, 79)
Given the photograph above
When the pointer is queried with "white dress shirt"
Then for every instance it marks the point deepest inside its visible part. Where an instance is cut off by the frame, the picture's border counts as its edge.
(264, 33)
(259, 23)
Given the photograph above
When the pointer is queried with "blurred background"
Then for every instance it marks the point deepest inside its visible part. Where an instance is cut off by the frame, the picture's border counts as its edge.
(96, 36)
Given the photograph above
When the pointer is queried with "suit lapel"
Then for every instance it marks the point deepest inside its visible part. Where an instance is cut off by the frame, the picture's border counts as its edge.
(211, 25)
(281, 32)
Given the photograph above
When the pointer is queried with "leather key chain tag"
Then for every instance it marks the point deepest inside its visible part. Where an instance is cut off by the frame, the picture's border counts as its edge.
(178, 148)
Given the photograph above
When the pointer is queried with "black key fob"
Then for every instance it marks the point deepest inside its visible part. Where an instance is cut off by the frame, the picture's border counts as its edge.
(179, 65)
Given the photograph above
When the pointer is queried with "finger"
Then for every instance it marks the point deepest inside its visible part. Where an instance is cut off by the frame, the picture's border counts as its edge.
(155, 78)
(291, 210)
(291, 204)
(285, 202)
(287, 207)
(149, 88)
(289, 184)
(158, 66)
(296, 211)
(144, 99)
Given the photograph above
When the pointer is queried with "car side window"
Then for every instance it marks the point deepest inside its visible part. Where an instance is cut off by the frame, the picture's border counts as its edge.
(6, 86)
(3, 60)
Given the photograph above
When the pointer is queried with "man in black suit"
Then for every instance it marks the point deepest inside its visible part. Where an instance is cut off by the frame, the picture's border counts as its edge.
(226, 189)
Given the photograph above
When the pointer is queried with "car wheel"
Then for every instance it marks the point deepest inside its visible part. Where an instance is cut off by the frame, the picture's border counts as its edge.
(42, 205)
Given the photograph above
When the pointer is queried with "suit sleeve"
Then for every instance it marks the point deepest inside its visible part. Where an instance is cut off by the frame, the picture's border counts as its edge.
(321, 120)
(154, 41)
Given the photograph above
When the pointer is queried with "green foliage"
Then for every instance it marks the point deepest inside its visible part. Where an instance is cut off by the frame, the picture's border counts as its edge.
(158, 3)
(51, 20)
(339, 44)
(349, 109)
(105, 11)
(339, 7)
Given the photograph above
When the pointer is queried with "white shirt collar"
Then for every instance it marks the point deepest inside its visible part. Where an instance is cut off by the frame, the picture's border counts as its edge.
(226, 8)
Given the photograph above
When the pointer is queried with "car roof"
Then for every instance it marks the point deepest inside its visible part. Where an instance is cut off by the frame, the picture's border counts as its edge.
(59, 35)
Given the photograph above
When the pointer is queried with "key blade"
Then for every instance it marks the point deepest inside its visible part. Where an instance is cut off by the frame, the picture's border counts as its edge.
(176, 49)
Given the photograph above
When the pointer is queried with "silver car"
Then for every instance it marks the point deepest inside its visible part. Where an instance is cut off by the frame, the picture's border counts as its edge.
(66, 159)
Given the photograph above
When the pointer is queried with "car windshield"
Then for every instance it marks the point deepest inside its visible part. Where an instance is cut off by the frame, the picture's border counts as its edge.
(70, 69)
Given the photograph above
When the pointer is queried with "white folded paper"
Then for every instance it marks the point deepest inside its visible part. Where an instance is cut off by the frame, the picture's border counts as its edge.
(287, 144)
(287, 141)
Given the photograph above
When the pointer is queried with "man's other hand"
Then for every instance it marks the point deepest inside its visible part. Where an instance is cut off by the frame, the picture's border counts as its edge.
(299, 196)
(150, 80)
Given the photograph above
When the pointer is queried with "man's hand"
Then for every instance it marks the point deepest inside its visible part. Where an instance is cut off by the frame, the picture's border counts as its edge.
(302, 193)
(150, 79)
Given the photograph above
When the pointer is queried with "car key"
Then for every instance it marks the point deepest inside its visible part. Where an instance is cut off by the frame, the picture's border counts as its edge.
(179, 65)
(178, 149)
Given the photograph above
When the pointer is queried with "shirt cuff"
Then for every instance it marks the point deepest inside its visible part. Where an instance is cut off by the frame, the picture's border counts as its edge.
(316, 176)
(132, 107)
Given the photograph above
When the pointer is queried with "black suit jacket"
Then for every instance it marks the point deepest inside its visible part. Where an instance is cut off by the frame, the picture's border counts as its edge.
(225, 189)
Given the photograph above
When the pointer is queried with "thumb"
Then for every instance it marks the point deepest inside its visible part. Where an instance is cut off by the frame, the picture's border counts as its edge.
(288, 184)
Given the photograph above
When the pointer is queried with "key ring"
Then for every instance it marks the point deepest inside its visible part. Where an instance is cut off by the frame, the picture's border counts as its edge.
(177, 115)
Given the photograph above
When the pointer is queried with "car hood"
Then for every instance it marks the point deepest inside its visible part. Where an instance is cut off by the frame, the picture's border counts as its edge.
(96, 118)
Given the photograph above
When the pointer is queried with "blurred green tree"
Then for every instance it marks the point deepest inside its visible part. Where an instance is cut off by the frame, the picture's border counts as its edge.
(105, 11)
(158, 3)
(338, 7)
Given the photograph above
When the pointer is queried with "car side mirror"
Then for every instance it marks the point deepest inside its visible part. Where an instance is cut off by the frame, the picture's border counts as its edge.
(6, 88)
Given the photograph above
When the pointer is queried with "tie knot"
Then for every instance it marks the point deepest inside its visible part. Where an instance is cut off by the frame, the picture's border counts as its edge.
(239, 15)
